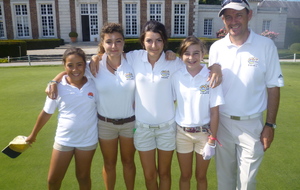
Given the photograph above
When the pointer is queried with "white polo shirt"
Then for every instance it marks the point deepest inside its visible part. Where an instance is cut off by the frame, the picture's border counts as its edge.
(116, 91)
(154, 103)
(77, 117)
(194, 97)
(248, 71)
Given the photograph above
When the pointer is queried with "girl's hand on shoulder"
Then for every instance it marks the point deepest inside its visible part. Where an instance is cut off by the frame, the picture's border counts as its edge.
(170, 55)
(215, 76)
(51, 91)
(94, 64)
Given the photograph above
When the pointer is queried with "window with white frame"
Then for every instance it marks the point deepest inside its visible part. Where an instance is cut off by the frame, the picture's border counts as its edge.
(2, 33)
(47, 20)
(180, 14)
(131, 14)
(266, 25)
(22, 20)
(155, 12)
(92, 11)
(207, 27)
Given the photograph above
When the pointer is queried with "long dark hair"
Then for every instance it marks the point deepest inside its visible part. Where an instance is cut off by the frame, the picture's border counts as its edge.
(156, 27)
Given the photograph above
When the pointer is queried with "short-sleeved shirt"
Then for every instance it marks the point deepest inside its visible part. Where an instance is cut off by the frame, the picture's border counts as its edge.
(116, 91)
(194, 97)
(154, 103)
(248, 70)
(77, 117)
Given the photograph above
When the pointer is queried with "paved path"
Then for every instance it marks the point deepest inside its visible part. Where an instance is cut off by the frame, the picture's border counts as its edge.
(87, 47)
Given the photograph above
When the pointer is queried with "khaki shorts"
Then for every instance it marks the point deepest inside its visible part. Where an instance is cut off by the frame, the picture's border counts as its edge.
(107, 130)
(63, 148)
(164, 138)
(187, 142)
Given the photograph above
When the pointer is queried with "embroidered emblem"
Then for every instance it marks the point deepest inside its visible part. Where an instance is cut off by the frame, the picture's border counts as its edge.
(90, 95)
(280, 80)
(165, 74)
(129, 76)
(253, 62)
(204, 89)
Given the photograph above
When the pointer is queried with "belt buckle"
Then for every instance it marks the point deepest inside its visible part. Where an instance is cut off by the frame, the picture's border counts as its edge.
(117, 122)
(190, 129)
(235, 117)
(154, 127)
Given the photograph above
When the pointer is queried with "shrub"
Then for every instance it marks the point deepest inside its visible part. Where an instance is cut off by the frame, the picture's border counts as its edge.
(295, 47)
(270, 34)
(73, 34)
(13, 48)
(33, 44)
(5, 60)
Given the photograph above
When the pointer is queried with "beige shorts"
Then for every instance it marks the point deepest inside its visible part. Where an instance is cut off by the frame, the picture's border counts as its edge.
(63, 148)
(146, 139)
(107, 130)
(188, 142)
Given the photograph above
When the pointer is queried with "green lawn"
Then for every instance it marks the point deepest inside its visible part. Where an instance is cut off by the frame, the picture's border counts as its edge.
(22, 98)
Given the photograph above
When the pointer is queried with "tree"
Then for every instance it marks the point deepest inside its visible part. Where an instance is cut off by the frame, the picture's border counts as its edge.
(292, 34)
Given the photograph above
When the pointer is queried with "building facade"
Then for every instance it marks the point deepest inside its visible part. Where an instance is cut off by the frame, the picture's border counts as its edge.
(46, 19)
(42, 19)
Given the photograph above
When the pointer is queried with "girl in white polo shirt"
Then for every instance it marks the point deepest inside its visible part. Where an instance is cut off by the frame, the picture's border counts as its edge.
(197, 113)
(154, 105)
(76, 133)
(116, 88)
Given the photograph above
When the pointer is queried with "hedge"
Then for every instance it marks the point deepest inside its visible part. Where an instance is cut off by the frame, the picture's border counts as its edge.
(173, 44)
(13, 48)
(18, 48)
(33, 44)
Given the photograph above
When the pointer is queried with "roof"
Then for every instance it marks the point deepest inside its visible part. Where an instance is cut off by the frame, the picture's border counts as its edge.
(293, 7)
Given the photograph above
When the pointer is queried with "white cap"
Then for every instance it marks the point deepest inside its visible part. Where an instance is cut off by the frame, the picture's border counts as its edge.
(232, 4)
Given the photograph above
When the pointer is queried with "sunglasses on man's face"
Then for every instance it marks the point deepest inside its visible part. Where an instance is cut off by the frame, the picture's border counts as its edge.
(225, 2)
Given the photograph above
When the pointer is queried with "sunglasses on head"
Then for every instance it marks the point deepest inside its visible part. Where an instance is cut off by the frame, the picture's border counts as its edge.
(225, 2)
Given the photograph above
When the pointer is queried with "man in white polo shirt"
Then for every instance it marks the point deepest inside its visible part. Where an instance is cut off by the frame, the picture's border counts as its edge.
(251, 81)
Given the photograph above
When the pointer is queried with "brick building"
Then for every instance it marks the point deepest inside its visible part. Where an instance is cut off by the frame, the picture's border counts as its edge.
(46, 19)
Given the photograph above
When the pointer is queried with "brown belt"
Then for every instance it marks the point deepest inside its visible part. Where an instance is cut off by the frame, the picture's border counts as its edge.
(117, 121)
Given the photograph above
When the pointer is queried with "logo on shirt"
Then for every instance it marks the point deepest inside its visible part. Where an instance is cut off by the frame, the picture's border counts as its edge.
(164, 74)
(129, 76)
(204, 89)
(90, 95)
(280, 80)
(253, 62)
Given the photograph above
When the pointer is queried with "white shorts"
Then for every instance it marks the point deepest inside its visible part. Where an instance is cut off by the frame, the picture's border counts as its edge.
(164, 138)
(187, 142)
(63, 148)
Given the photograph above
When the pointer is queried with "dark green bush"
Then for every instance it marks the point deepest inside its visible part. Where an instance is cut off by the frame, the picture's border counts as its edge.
(33, 44)
(295, 47)
(73, 34)
(173, 44)
(132, 44)
(13, 48)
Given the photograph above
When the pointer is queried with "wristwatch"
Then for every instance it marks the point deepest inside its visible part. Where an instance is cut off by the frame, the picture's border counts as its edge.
(271, 125)
(52, 82)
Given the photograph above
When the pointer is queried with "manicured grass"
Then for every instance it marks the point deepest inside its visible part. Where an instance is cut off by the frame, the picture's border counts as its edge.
(22, 98)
